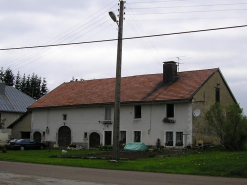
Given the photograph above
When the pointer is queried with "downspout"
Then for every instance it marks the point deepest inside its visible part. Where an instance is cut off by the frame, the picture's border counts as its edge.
(150, 127)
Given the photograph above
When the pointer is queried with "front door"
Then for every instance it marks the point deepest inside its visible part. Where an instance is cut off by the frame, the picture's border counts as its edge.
(64, 136)
(94, 139)
(108, 135)
(37, 137)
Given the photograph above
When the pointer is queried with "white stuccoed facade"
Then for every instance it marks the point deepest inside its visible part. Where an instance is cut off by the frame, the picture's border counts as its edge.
(89, 120)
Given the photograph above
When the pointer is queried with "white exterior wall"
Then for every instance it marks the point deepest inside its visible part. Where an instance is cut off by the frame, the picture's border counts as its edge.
(86, 119)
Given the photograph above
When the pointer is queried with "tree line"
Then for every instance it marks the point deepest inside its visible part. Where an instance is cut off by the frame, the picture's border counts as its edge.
(32, 85)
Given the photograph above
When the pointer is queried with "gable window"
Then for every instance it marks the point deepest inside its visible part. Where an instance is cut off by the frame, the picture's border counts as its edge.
(64, 117)
(138, 111)
(107, 113)
(170, 110)
(179, 138)
(137, 136)
(169, 138)
(217, 94)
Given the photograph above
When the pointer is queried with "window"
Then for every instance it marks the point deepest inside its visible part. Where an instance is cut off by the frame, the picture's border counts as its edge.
(170, 110)
(217, 94)
(138, 111)
(64, 117)
(179, 138)
(137, 136)
(169, 138)
(85, 135)
(122, 137)
(107, 113)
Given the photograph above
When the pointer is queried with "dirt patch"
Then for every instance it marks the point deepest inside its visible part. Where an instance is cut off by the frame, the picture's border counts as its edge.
(123, 155)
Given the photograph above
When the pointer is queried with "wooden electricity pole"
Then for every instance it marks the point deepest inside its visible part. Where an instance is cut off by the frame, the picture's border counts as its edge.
(115, 151)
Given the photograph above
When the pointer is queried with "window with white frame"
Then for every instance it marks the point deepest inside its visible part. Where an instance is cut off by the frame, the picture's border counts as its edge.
(107, 113)
(179, 138)
(137, 136)
(169, 138)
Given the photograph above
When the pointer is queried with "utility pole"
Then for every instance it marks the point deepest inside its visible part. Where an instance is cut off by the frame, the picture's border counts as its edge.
(116, 126)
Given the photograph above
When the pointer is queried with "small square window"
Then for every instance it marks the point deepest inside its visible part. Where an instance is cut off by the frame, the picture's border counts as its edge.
(138, 111)
(64, 117)
(85, 135)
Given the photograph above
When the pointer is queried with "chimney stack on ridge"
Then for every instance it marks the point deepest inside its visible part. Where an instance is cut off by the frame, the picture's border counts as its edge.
(169, 72)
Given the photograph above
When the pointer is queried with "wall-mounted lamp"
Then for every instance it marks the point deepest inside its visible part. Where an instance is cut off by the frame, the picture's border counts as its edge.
(47, 130)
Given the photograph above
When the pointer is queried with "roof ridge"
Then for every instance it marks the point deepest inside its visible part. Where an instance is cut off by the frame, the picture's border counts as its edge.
(138, 75)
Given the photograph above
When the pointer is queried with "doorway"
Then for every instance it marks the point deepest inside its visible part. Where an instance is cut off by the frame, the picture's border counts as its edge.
(94, 139)
(108, 136)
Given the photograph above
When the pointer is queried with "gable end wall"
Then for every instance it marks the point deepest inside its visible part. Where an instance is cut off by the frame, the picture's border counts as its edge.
(203, 100)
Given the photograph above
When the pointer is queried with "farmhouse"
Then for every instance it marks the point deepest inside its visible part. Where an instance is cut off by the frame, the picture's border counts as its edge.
(169, 106)
(13, 104)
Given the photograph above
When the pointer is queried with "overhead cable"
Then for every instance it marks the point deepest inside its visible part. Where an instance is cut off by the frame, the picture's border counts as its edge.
(128, 38)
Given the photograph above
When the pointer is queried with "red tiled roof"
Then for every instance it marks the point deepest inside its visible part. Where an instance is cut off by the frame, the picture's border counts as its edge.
(141, 88)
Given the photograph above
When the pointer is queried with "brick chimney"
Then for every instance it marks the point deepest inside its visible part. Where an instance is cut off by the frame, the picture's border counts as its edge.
(169, 72)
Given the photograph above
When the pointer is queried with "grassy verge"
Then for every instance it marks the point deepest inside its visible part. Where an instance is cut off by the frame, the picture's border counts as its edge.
(213, 163)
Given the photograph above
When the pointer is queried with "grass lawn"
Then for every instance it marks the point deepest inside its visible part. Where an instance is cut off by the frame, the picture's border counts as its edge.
(213, 163)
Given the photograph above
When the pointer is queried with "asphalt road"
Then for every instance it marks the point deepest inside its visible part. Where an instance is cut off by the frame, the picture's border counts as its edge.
(13, 173)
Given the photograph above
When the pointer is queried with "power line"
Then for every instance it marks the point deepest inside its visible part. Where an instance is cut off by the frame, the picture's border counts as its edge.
(149, 42)
(187, 19)
(191, 6)
(128, 38)
(155, 1)
(199, 11)
(67, 33)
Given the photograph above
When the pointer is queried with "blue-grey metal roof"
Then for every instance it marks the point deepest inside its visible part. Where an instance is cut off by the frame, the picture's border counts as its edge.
(13, 100)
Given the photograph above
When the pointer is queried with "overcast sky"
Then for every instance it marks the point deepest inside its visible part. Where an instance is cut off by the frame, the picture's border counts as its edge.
(39, 22)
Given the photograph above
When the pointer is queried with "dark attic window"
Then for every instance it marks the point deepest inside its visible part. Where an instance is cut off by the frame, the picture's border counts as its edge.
(170, 110)
(138, 111)
(64, 117)
(217, 94)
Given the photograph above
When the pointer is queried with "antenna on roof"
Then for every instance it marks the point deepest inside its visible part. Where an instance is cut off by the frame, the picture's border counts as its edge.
(179, 62)
(179, 58)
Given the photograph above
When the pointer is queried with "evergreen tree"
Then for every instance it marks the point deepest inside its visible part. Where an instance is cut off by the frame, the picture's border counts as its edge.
(35, 88)
(9, 77)
(1, 74)
(38, 90)
(28, 87)
(23, 83)
(44, 89)
(18, 81)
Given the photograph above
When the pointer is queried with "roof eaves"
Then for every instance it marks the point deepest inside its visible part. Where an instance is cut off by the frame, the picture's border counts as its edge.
(111, 103)
(227, 86)
(19, 119)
